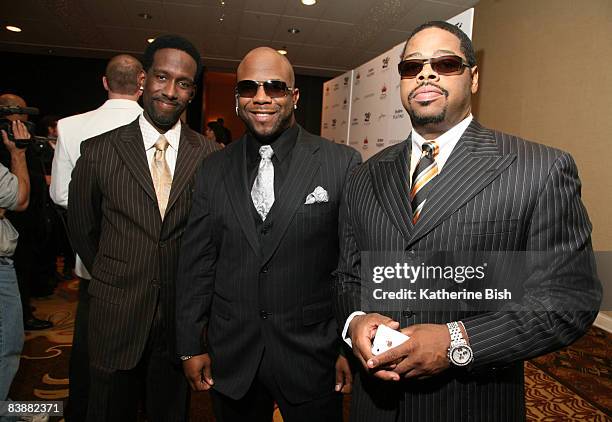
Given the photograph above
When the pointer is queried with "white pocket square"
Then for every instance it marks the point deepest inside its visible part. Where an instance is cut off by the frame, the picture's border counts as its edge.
(317, 195)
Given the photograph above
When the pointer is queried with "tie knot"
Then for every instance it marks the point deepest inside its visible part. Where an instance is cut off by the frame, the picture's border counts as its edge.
(162, 143)
(266, 152)
(431, 149)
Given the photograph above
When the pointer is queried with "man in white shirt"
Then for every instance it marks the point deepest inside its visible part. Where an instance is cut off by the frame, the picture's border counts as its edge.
(122, 80)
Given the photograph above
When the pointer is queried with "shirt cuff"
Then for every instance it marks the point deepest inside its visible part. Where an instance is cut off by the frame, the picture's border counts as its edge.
(346, 339)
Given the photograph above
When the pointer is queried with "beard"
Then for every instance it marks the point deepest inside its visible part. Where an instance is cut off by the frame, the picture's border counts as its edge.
(429, 119)
(426, 119)
(163, 121)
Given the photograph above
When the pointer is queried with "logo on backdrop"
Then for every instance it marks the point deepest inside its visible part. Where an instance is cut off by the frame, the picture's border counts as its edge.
(365, 143)
(344, 104)
(385, 62)
(366, 117)
(399, 113)
(334, 123)
(383, 92)
(371, 72)
(355, 121)
(327, 90)
(357, 78)
(382, 116)
(336, 87)
(346, 79)
(380, 142)
(325, 125)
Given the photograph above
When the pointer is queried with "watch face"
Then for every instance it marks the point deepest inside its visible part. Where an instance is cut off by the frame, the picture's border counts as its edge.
(461, 355)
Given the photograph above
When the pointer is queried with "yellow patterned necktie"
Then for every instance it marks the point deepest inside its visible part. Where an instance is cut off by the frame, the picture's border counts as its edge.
(425, 171)
(160, 172)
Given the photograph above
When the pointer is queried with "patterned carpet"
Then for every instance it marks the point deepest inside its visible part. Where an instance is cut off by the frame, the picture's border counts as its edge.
(569, 385)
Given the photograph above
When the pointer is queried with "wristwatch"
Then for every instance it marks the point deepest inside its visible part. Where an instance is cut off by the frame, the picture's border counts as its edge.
(459, 352)
(186, 357)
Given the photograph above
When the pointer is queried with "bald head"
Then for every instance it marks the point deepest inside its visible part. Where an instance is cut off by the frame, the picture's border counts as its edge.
(268, 62)
(12, 100)
(123, 75)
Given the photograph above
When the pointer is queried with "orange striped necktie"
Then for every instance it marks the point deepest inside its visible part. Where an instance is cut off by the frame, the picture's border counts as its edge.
(160, 173)
(424, 172)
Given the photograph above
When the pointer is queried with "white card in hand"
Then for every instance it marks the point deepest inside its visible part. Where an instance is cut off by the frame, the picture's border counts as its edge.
(386, 338)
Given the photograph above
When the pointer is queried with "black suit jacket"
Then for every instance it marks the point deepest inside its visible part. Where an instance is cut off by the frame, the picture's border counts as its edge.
(116, 228)
(496, 192)
(241, 291)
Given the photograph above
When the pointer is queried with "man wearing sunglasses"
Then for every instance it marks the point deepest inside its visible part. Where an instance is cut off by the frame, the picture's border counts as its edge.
(454, 185)
(254, 304)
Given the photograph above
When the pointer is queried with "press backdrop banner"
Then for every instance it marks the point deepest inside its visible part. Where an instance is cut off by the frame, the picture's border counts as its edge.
(368, 114)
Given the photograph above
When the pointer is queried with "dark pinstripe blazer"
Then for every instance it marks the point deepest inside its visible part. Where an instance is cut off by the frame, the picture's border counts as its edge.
(270, 289)
(117, 230)
(496, 192)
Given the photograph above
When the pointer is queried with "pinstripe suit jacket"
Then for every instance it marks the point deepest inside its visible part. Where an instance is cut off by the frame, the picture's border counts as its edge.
(117, 230)
(270, 289)
(496, 192)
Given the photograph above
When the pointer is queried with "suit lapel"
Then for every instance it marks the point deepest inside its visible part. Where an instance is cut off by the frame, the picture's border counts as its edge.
(474, 163)
(188, 158)
(304, 165)
(239, 195)
(390, 182)
(130, 146)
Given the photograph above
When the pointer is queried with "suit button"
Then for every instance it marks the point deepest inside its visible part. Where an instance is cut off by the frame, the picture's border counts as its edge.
(162, 244)
(263, 314)
(407, 314)
(265, 270)
(155, 282)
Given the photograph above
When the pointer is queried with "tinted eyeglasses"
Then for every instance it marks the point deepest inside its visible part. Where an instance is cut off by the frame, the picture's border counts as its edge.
(273, 89)
(443, 65)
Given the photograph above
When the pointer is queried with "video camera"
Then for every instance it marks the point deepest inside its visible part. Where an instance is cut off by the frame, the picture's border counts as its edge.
(6, 125)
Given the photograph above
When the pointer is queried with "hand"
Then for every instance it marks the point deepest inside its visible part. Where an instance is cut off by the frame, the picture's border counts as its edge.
(424, 355)
(344, 377)
(362, 331)
(20, 133)
(198, 372)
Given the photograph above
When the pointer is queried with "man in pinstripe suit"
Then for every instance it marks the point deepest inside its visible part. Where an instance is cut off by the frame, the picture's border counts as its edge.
(129, 199)
(254, 290)
(483, 191)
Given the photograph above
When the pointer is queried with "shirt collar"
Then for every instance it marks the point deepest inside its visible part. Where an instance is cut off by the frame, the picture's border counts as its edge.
(282, 146)
(150, 135)
(448, 138)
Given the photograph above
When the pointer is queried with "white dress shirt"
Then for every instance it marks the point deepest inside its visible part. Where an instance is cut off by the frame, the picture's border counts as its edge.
(446, 143)
(150, 135)
(71, 132)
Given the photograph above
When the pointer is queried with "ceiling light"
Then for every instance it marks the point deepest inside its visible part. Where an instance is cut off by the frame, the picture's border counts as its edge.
(145, 16)
(13, 28)
(150, 40)
(282, 51)
(293, 30)
(308, 2)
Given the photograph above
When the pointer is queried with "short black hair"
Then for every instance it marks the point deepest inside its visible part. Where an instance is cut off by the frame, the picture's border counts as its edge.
(172, 41)
(467, 48)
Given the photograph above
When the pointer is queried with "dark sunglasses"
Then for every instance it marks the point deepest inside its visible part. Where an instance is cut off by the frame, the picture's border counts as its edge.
(443, 65)
(273, 89)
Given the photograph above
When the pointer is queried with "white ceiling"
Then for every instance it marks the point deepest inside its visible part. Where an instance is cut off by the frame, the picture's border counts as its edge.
(335, 35)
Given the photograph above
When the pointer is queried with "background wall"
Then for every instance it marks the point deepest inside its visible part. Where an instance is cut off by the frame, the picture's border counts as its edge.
(546, 75)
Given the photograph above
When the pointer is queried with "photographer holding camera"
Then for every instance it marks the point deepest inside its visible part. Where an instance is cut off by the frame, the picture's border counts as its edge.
(15, 196)
(33, 274)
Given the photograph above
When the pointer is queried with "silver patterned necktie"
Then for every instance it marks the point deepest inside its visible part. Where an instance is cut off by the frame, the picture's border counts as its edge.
(262, 192)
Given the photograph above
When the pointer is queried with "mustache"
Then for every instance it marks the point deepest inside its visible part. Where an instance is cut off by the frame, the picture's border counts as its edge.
(413, 92)
(165, 100)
